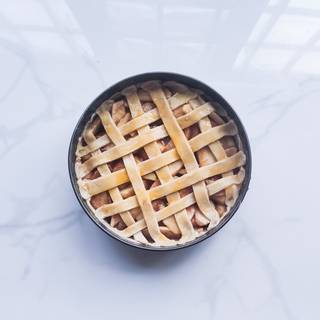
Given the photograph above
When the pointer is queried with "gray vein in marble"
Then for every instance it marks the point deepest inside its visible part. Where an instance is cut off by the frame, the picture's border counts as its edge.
(269, 269)
(8, 227)
(220, 280)
(282, 102)
(14, 83)
(29, 204)
(34, 233)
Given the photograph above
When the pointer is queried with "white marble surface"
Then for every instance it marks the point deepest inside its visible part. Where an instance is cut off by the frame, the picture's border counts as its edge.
(57, 56)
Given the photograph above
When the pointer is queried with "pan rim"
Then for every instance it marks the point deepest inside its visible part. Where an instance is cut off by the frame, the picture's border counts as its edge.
(190, 81)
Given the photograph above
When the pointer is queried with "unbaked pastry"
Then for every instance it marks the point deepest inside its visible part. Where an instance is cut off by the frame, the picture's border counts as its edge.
(160, 165)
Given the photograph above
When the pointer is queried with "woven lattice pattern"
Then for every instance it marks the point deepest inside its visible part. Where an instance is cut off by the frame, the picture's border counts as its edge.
(159, 164)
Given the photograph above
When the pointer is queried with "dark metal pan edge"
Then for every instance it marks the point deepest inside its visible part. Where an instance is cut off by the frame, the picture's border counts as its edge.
(211, 94)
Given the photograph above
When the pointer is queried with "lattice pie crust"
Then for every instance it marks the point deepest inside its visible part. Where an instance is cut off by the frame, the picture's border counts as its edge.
(158, 164)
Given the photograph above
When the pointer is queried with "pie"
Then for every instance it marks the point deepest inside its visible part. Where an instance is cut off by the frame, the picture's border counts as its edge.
(159, 164)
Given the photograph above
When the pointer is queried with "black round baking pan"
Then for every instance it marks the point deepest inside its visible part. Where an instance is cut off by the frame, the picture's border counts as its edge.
(210, 94)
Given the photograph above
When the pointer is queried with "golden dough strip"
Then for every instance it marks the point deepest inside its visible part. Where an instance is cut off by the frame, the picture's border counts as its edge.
(219, 153)
(143, 120)
(182, 146)
(114, 193)
(92, 146)
(152, 150)
(180, 183)
(120, 150)
(195, 115)
(141, 193)
(92, 187)
(185, 202)
(183, 92)
(180, 98)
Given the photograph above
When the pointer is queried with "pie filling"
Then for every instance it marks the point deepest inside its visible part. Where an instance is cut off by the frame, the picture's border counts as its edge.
(159, 164)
